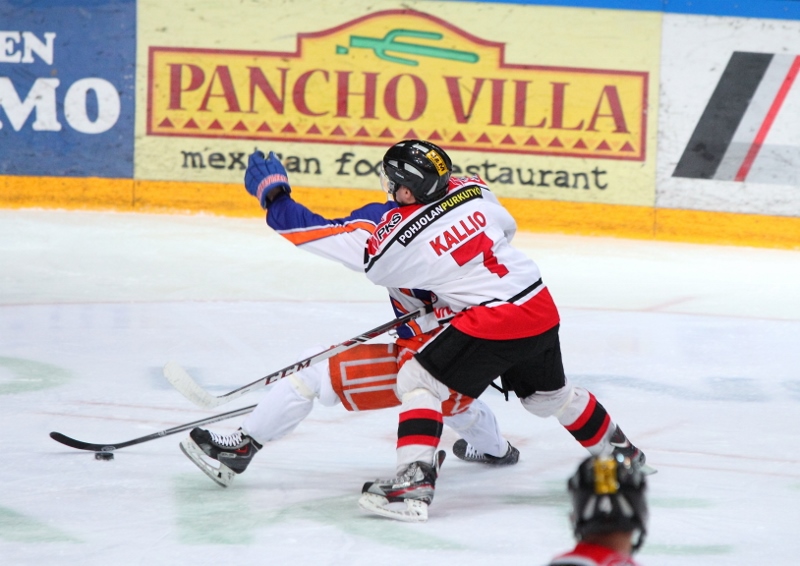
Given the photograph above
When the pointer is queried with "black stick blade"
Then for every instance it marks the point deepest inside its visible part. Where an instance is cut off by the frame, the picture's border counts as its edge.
(79, 444)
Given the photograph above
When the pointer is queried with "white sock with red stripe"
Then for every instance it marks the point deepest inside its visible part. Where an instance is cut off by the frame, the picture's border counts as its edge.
(579, 412)
(419, 429)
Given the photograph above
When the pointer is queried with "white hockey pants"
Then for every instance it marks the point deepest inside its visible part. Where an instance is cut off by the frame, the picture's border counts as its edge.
(290, 400)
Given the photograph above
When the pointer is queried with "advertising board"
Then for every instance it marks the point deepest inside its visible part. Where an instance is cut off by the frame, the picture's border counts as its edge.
(67, 74)
(539, 109)
(729, 128)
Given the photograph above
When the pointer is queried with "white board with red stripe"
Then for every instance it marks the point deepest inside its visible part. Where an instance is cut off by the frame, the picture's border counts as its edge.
(730, 113)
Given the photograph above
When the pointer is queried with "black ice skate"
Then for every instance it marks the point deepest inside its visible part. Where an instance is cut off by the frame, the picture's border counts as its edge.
(233, 452)
(623, 449)
(465, 451)
(412, 490)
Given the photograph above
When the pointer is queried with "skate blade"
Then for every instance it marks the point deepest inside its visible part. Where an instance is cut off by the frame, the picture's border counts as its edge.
(222, 476)
(410, 511)
(647, 469)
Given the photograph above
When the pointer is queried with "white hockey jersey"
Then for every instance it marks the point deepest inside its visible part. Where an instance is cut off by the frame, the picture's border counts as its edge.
(343, 240)
(459, 248)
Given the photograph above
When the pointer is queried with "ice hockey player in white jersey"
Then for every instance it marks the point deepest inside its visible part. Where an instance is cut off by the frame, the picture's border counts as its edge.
(361, 378)
(452, 237)
(609, 513)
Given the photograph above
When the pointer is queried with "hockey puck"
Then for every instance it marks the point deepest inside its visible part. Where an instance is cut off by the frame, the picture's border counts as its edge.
(103, 455)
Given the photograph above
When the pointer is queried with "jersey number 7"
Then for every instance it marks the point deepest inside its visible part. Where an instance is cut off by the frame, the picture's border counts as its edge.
(472, 248)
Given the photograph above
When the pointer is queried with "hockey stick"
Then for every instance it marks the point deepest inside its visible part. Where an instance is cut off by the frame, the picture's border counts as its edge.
(81, 445)
(190, 389)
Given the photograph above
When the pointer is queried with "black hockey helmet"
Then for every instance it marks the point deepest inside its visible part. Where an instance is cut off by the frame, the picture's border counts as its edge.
(421, 166)
(608, 495)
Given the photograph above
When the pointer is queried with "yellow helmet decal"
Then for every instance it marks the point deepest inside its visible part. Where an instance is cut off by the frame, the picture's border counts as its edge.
(605, 476)
(434, 157)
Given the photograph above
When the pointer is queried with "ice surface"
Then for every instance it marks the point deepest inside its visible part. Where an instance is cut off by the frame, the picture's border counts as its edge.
(694, 350)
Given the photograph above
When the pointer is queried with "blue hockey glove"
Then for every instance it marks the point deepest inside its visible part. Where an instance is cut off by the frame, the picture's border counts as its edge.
(263, 175)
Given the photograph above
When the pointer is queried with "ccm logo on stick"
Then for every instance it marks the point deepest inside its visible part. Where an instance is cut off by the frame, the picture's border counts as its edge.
(457, 233)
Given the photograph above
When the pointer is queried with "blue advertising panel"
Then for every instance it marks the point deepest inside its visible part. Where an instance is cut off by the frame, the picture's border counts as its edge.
(67, 73)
